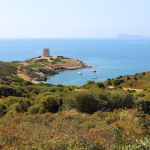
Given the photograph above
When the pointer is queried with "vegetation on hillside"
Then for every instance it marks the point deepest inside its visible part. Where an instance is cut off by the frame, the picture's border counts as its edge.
(92, 116)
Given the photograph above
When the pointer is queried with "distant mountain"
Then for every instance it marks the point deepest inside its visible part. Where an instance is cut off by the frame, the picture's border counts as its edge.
(128, 36)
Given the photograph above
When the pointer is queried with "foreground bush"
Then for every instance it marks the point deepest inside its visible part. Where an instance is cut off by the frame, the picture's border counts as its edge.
(50, 103)
(19, 103)
(120, 99)
(40, 96)
(92, 101)
(83, 101)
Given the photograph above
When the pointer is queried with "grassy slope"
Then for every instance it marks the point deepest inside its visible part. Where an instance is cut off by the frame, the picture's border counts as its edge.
(137, 81)
(141, 81)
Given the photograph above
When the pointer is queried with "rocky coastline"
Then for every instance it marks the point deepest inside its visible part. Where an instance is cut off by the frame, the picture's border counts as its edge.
(38, 68)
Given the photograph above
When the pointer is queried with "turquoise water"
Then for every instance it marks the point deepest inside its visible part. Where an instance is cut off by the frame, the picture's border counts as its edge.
(109, 57)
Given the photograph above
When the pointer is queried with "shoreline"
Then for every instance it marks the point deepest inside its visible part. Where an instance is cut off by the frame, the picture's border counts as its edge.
(43, 67)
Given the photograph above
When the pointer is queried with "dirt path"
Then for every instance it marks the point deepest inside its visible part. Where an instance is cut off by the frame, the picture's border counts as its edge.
(23, 77)
(137, 90)
(127, 88)
(80, 90)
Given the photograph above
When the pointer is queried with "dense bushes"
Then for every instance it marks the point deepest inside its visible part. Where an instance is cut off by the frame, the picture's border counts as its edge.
(120, 99)
(27, 83)
(45, 102)
(49, 103)
(17, 103)
(6, 91)
(83, 101)
(143, 104)
(100, 85)
(92, 101)
(40, 96)
(117, 82)
(34, 109)
(7, 68)
(3, 110)
(90, 82)
(15, 107)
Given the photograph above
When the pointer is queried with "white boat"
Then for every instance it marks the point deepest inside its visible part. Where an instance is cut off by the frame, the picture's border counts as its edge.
(94, 77)
(79, 73)
(93, 70)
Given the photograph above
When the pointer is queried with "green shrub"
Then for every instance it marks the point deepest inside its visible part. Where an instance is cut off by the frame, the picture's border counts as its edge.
(41, 60)
(24, 102)
(40, 96)
(6, 90)
(30, 88)
(120, 99)
(108, 83)
(63, 62)
(102, 97)
(50, 103)
(117, 82)
(17, 80)
(42, 110)
(28, 83)
(83, 101)
(15, 107)
(90, 82)
(8, 68)
(94, 100)
(143, 104)
(3, 110)
(52, 89)
(34, 109)
(51, 58)
(139, 94)
(100, 85)
(59, 85)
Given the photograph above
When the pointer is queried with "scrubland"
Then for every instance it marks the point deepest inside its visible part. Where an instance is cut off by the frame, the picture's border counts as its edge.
(92, 116)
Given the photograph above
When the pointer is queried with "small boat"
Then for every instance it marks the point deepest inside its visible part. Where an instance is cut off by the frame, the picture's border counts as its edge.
(93, 70)
(94, 77)
(79, 73)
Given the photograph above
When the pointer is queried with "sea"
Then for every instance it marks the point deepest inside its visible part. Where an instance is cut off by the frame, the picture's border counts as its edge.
(109, 57)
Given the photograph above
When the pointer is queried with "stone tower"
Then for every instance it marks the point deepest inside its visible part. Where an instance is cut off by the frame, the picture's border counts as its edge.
(46, 52)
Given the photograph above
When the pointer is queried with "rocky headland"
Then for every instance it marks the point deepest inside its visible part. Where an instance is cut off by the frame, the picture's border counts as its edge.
(38, 68)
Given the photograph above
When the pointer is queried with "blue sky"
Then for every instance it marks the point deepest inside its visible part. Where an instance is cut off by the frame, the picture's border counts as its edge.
(73, 18)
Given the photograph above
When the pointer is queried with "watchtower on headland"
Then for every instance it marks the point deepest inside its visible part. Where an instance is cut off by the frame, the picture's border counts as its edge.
(46, 52)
